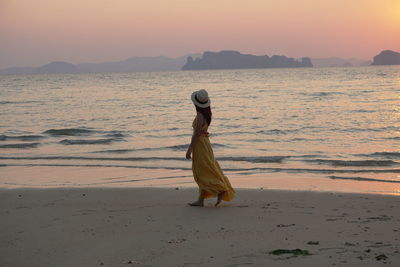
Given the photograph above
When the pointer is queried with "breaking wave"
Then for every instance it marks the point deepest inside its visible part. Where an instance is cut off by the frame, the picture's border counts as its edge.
(355, 163)
(68, 131)
(20, 137)
(88, 141)
(20, 145)
(363, 179)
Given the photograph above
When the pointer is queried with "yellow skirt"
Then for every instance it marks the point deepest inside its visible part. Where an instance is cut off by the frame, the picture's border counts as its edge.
(207, 173)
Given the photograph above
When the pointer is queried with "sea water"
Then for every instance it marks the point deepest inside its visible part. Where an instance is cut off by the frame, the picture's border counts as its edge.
(331, 129)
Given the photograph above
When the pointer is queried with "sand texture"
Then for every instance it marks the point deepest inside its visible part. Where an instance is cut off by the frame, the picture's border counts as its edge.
(155, 227)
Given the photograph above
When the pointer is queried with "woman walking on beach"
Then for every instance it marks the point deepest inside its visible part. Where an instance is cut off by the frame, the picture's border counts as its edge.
(206, 171)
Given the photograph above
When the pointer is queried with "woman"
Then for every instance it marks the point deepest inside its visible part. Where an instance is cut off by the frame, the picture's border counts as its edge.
(206, 171)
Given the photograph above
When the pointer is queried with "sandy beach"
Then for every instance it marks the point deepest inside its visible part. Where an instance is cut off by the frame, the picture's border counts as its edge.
(155, 227)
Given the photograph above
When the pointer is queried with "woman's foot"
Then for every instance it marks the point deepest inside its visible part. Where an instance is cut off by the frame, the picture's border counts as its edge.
(220, 197)
(198, 203)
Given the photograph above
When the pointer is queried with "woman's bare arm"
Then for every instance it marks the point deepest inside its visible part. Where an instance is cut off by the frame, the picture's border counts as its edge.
(196, 134)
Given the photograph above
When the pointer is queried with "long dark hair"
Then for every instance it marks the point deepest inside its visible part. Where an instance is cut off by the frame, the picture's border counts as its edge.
(206, 113)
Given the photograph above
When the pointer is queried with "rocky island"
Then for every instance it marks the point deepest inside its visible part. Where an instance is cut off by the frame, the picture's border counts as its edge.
(387, 57)
(236, 60)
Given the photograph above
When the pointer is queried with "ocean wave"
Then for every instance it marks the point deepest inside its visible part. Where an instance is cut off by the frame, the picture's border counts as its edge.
(323, 94)
(177, 147)
(68, 131)
(387, 155)
(21, 137)
(270, 159)
(233, 133)
(182, 147)
(88, 141)
(257, 159)
(249, 170)
(94, 158)
(378, 129)
(258, 140)
(364, 179)
(122, 151)
(250, 159)
(363, 111)
(393, 138)
(308, 156)
(19, 102)
(20, 145)
(115, 151)
(306, 170)
(276, 132)
(298, 139)
(183, 135)
(355, 163)
(102, 166)
(115, 134)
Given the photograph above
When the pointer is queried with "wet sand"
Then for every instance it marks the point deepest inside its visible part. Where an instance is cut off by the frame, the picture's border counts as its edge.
(155, 227)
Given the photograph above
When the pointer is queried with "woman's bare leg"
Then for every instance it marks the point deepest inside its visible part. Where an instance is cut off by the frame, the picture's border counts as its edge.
(200, 201)
(220, 197)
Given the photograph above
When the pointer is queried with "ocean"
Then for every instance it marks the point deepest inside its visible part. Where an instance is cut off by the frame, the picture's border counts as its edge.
(321, 129)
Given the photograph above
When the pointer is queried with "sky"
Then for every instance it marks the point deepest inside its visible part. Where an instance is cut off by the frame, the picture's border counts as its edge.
(35, 32)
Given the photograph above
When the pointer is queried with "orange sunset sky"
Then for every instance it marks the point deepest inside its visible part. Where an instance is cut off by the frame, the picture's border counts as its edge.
(35, 32)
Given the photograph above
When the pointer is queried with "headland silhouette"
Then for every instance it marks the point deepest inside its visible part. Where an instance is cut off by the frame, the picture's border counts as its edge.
(387, 57)
(236, 60)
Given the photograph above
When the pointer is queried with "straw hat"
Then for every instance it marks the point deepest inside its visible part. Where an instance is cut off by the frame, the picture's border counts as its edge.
(200, 98)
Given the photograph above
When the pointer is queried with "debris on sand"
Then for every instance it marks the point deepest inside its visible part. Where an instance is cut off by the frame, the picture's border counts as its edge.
(295, 252)
(381, 257)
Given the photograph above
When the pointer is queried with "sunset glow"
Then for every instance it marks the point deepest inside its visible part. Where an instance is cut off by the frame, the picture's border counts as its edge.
(36, 32)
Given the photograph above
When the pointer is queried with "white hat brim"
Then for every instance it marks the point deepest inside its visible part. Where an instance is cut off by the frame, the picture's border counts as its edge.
(197, 103)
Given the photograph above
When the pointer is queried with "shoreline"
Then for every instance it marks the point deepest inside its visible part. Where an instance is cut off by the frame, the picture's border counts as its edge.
(106, 177)
(194, 188)
(156, 227)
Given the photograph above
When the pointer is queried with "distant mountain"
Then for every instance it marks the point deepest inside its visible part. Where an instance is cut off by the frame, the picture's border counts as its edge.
(236, 60)
(18, 70)
(339, 62)
(387, 57)
(208, 60)
(53, 67)
(134, 64)
(56, 67)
